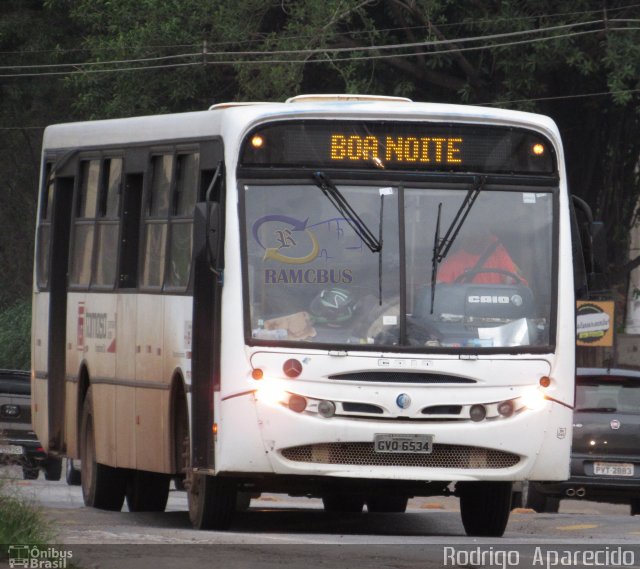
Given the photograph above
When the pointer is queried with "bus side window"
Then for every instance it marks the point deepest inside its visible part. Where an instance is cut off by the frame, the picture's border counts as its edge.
(108, 223)
(155, 224)
(44, 229)
(131, 211)
(84, 222)
(181, 231)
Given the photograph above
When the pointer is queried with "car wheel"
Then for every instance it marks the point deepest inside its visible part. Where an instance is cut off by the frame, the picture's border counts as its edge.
(30, 473)
(635, 507)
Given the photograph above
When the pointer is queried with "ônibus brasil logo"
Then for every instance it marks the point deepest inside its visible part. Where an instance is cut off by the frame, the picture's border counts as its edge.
(38, 557)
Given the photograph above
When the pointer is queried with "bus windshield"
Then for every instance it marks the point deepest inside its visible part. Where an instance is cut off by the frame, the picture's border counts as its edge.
(312, 279)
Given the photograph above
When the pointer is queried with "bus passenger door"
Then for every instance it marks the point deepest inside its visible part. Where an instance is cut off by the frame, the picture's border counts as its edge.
(207, 290)
(56, 361)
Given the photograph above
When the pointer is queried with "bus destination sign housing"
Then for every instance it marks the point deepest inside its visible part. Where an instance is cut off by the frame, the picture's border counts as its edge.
(413, 146)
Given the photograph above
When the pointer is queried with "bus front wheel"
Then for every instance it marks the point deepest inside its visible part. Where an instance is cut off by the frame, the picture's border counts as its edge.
(212, 501)
(485, 507)
(102, 486)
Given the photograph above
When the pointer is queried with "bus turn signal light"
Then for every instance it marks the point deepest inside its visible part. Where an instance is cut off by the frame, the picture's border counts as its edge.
(545, 381)
(257, 373)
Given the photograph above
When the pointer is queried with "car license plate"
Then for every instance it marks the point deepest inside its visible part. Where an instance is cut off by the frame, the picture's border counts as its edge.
(613, 468)
(10, 449)
(422, 444)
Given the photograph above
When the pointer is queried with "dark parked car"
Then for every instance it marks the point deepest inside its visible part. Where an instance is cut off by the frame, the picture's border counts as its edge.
(18, 442)
(605, 454)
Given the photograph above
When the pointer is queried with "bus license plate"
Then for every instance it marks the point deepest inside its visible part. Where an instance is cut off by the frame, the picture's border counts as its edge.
(422, 444)
(10, 449)
(613, 468)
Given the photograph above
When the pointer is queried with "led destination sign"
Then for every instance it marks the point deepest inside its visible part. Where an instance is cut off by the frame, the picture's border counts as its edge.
(410, 149)
(398, 146)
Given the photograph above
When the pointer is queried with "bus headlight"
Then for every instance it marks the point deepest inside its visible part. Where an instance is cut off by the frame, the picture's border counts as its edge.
(271, 394)
(533, 399)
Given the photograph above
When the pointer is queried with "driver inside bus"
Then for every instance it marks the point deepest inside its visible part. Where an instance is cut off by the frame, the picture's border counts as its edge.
(479, 257)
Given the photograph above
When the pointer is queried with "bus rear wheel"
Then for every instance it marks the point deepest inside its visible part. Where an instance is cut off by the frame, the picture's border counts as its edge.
(147, 491)
(212, 501)
(103, 486)
(485, 507)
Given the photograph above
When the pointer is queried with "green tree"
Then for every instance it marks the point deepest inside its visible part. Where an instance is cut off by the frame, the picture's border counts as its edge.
(575, 60)
(28, 33)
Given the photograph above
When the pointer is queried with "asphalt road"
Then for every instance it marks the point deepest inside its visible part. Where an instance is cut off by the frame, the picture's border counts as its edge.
(279, 531)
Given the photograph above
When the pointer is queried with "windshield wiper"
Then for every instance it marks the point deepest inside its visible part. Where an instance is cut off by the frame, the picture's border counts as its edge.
(345, 209)
(441, 247)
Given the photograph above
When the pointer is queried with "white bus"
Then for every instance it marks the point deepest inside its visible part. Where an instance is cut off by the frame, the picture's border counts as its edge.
(360, 299)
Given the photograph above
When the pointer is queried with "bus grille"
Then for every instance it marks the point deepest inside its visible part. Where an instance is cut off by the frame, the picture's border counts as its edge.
(443, 456)
(400, 377)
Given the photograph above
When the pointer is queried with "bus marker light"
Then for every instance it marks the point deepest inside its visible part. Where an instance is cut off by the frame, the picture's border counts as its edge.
(505, 408)
(297, 403)
(326, 409)
(477, 412)
(545, 381)
(538, 149)
(257, 373)
(214, 429)
(257, 141)
(292, 368)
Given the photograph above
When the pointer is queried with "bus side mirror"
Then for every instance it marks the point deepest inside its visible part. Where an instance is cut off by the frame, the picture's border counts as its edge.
(598, 246)
(207, 231)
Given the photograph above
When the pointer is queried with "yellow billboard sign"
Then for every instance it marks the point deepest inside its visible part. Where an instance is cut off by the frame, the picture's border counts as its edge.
(594, 323)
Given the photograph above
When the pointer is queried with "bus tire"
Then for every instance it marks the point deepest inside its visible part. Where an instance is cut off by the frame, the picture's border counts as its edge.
(343, 503)
(485, 507)
(388, 504)
(103, 486)
(53, 468)
(72, 474)
(212, 501)
(147, 491)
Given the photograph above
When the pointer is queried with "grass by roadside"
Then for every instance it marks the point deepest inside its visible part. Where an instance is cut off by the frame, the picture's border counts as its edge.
(21, 521)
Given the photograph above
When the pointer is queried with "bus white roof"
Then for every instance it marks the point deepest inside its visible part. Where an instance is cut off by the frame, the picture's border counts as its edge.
(239, 117)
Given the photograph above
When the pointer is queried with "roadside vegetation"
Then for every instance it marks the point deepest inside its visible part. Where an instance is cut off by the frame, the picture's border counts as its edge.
(21, 521)
(15, 330)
